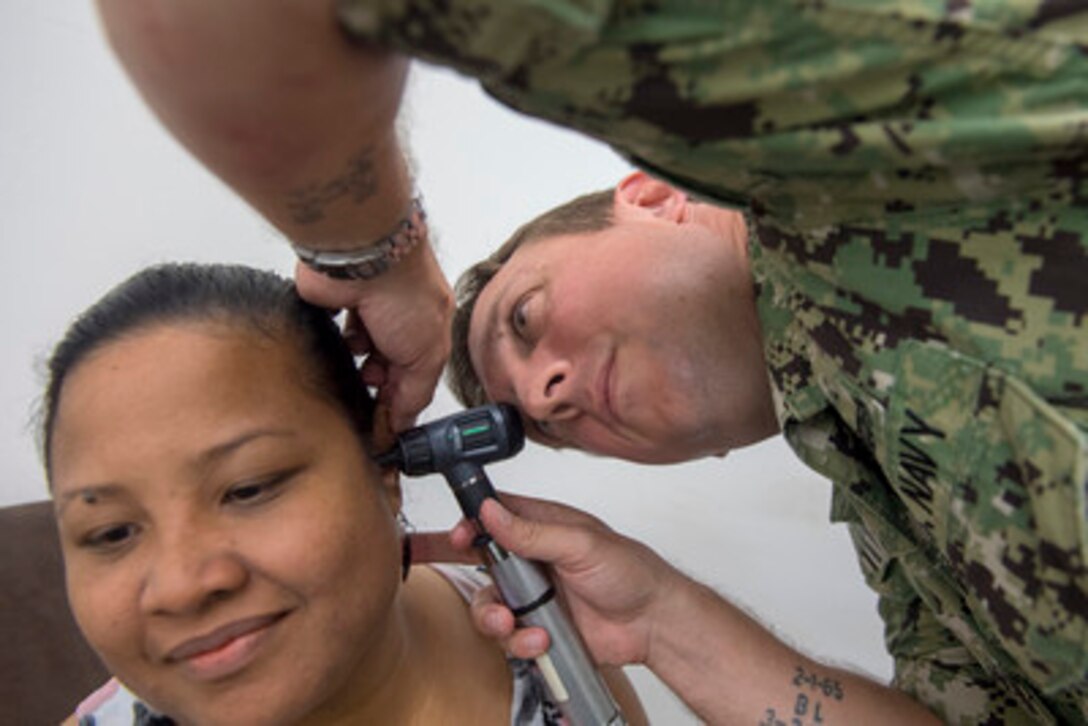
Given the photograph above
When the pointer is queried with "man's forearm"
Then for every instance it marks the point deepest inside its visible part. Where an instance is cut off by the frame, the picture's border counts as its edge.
(271, 96)
(729, 669)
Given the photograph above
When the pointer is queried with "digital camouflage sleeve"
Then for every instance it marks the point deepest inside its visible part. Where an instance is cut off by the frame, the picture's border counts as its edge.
(915, 175)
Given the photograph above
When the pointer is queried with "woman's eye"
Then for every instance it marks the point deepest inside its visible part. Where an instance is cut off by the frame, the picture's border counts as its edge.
(258, 491)
(109, 538)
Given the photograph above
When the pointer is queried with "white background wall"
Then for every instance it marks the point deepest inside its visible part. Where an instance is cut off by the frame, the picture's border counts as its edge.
(92, 189)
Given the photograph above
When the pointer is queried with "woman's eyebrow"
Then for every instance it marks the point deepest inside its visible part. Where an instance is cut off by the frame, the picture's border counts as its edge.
(90, 494)
(221, 450)
(94, 493)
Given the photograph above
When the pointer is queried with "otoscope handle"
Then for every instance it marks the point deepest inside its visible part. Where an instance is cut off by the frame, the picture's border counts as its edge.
(570, 675)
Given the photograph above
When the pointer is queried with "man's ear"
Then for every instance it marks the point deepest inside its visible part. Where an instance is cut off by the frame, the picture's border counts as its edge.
(640, 194)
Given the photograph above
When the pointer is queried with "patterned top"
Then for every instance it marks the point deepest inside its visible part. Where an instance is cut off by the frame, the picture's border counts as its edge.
(115, 705)
(915, 177)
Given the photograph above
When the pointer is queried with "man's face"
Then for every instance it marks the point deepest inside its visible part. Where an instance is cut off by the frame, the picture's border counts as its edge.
(618, 342)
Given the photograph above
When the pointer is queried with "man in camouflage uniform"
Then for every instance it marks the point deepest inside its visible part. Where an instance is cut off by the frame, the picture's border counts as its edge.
(911, 174)
(916, 181)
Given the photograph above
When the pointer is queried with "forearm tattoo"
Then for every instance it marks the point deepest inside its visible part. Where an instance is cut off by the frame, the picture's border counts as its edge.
(357, 183)
(807, 710)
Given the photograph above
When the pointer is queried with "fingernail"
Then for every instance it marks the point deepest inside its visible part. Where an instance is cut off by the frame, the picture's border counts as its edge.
(494, 621)
(537, 641)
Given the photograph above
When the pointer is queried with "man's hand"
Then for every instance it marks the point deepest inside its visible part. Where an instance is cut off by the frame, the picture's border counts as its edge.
(400, 320)
(611, 584)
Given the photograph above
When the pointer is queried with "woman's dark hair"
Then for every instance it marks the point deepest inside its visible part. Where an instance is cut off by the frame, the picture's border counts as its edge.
(233, 294)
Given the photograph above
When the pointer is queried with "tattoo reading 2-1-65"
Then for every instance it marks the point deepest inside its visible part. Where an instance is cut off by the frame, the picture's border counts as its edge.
(807, 708)
(358, 182)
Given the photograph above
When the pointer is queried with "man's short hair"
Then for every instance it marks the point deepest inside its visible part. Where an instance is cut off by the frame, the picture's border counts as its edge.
(584, 214)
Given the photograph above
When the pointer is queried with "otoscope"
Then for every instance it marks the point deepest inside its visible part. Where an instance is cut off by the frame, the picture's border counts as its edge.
(458, 446)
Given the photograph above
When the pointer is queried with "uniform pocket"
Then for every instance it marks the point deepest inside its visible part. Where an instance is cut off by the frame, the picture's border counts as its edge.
(996, 478)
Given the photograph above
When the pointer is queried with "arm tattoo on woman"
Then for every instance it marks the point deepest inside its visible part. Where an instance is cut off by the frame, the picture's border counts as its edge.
(357, 182)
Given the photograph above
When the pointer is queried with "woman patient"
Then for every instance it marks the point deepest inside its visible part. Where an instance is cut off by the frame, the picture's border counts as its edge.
(232, 552)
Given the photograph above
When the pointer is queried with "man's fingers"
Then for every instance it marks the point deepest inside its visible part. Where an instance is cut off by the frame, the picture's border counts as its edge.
(547, 511)
(528, 643)
(495, 621)
(549, 542)
(463, 535)
(373, 371)
(402, 323)
(492, 618)
(409, 391)
(356, 335)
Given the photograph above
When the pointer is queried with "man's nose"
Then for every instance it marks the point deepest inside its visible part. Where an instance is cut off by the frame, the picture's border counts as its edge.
(188, 573)
(548, 392)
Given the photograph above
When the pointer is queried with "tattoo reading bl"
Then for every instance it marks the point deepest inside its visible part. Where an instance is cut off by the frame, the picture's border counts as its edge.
(807, 706)
(357, 182)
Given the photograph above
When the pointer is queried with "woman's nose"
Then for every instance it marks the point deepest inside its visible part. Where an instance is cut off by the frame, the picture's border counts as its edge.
(187, 574)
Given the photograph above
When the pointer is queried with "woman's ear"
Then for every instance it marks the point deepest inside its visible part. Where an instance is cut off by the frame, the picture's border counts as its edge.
(391, 488)
(383, 439)
(640, 194)
(382, 435)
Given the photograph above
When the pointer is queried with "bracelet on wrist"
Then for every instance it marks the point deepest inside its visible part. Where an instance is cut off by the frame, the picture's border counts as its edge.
(372, 260)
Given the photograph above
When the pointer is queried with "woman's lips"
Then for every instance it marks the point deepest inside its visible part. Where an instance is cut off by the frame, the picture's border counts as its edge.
(225, 650)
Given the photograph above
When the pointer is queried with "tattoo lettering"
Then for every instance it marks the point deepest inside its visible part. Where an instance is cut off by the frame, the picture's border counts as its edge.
(807, 707)
(357, 182)
(830, 687)
(801, 709)
(770, 718)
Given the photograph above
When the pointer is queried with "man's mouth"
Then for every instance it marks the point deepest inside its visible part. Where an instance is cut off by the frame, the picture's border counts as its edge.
(604, 391)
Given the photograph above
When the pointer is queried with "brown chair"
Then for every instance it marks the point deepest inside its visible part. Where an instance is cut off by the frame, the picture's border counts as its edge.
(46, 667)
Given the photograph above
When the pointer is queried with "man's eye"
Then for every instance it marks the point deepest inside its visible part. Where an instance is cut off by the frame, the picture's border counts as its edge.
(519, 318)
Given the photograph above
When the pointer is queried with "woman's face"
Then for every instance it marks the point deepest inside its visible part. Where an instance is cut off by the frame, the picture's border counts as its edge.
(230, 553)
